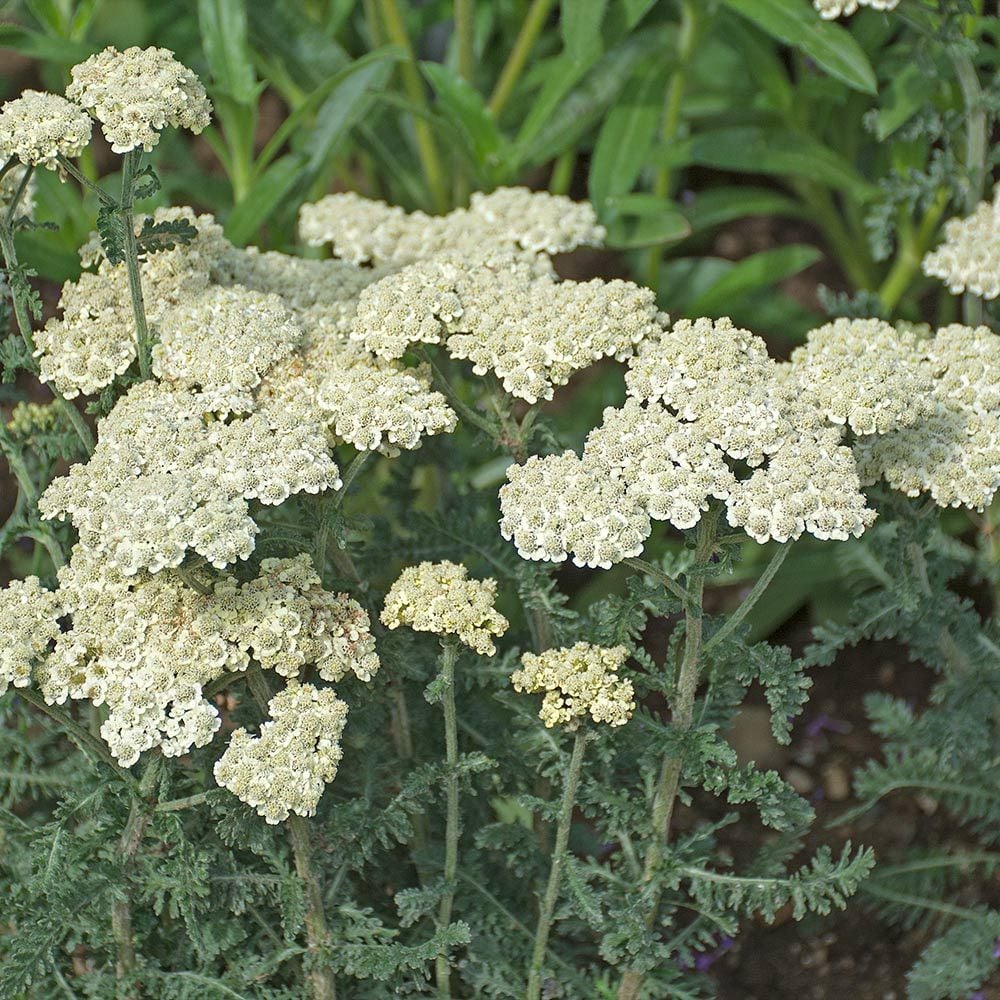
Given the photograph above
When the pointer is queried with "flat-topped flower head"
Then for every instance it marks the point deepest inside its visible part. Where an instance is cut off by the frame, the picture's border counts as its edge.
(830, 9)
(969, 257)
(363, 231)
(29, 625)
(135, 94)
(287, 767)
(953, 452)
(440, 598)
(717, 374)
(559, 506)
(38, 127)
(862, 373)
(667, 466)
(578, 681)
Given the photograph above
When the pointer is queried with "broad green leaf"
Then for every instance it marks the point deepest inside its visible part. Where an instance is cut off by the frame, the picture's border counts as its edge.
(597, 91)
(345, 106)
(625, 139)
(465, 109)
(50, 14)
(759, 271)
(715, 206)
(561, 75)
(760, 59)
(682, 279)
(293, 42)
(580, 25)
(756, 150)
(643, 220)
(47, 48)
(223, 25)
(829, 45)
(636, 10)
(264, 196)
(291, 125)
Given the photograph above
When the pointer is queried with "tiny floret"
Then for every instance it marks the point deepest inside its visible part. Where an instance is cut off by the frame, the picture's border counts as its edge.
(830, 9)
(440, 598)
(37, 127)
(287, 767)
(135, 94)
(969, 257)
(578, 681)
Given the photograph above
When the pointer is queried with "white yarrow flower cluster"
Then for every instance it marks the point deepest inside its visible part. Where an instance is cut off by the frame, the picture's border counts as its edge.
(135, 94)
(506, 315)
(578, 681)
(440, 598)
(953, 452)
(287, 767)
(863, 374)
(38, 127)
(830, 9)
(29, 626)
(365, 231)
(969, 257)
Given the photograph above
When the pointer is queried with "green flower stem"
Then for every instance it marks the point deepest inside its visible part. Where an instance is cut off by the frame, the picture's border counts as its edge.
(449, 654)
(465, 24)
(562, 172)
(531, 28)
(85, 181)
(443, 386)
(657, 574)
(853, 257)
(687, 42)
(121, 906)
(92, 746)
(21, 188)
(950, 649)
(321, 977)
(976, 145)
(427, 150)
(682, 715)
(534, 990)
(912, 250)
(126, 210)
(763, 582)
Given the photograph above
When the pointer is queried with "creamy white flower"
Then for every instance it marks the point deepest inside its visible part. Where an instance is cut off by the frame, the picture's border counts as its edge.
(288, 766)
(578, 681)
(135, 94)
(29, 625)
(363, 231)
(969, 257)
(557, 506)
(719, 375)
(830, 9)
(440, 598)
(862, 373)
(37, 127)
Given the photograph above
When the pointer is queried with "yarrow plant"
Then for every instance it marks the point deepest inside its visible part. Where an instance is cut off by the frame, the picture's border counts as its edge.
(321, 485)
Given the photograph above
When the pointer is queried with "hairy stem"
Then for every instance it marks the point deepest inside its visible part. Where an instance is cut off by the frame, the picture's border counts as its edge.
(548, 906)
(427, 150)
(531, 28)
(668, 783)
(121, 908)
(321, 977)
(659, 576)
(449, 654)
(126, 208)
(763, 582)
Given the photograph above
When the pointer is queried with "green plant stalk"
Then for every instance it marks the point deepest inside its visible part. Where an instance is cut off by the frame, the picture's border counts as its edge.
(682, 715)
(128, 847)
(757, 592)
(673, 102)
(531, 28)
(534, 990)
(143, 347)
(465, 25)
(950, 649)
(449, 654)
(657, 574)
(852, 256)
(23, 318)
(911, 254)
(321, 977)
(562, 172)
(427, 151)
